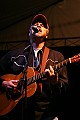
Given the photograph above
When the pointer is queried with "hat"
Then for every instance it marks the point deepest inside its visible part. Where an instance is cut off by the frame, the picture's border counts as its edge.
(40, 18)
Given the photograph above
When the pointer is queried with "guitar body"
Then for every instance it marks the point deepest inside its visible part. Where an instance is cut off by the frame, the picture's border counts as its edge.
(7, 104)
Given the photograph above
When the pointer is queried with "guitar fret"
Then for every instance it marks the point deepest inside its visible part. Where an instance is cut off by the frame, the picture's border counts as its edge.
(31, 80)
(61, 64)
(42, 74)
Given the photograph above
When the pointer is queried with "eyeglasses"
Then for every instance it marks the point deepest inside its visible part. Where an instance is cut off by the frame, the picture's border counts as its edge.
(39, 24)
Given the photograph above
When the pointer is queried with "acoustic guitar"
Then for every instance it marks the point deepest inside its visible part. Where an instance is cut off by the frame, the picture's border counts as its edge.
(10, 97)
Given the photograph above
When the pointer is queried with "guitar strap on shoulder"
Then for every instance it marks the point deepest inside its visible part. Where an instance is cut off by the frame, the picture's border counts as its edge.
(44, 59)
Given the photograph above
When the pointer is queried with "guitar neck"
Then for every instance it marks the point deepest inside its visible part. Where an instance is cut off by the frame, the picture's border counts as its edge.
(56, 66)
(61, 64)
(35, 78)
(73, 59)
(42, 75)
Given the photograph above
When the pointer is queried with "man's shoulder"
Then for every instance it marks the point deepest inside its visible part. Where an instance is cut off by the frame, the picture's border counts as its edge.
(56, 54)
(27, 47)
(54, 51)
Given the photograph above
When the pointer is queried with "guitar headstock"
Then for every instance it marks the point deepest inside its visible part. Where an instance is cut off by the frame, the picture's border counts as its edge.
(75, 58)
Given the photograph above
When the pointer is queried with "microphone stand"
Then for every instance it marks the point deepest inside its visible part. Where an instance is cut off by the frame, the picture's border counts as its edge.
(23, 81)
(24, 89)
(25, 78)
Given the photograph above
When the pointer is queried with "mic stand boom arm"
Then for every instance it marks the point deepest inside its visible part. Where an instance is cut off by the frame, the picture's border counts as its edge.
(23, 81)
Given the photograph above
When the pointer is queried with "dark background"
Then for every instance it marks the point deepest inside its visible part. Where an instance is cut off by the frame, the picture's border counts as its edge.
(64, 21)
(72, 102)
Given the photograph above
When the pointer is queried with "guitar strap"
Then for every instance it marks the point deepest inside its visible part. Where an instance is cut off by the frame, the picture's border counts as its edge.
(44, 59)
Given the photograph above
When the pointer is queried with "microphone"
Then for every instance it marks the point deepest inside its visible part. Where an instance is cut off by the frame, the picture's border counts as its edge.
(35, 29)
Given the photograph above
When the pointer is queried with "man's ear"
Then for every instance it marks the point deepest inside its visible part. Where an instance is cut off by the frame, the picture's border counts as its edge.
(47, 31)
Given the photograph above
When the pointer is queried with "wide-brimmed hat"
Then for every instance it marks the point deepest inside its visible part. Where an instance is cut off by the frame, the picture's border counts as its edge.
(40, 18)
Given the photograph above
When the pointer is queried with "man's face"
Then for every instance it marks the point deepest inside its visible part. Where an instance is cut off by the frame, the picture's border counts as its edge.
(42, 31)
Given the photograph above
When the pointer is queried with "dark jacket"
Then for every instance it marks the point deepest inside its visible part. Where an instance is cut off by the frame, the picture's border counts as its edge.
(13, 63)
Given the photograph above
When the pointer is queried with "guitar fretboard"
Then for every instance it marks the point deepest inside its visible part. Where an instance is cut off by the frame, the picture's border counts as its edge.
(61, 64)
(35, 78)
